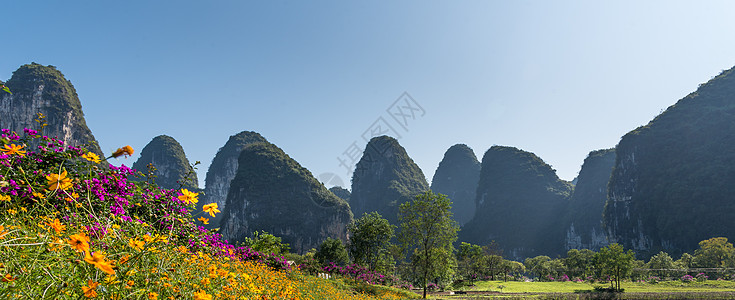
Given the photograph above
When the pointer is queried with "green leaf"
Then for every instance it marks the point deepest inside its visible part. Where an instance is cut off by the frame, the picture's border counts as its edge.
(5, 88)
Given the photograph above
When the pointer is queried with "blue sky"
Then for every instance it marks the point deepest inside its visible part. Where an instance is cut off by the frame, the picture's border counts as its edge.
(556, 78)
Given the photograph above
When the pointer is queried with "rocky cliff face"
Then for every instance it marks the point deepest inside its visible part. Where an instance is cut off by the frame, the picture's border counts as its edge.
(384, 178)
(457, 177)
(272, 192)
(172, 167)
(520, 204)
(584, 217)
(672, 184)
(222, 171)
(43, 89)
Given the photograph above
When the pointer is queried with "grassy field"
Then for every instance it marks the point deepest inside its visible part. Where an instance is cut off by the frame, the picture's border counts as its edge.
(571, 290)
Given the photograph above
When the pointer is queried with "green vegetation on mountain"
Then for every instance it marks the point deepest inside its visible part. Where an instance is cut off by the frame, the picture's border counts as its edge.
(520, 203)
(672, 184)
(583, 222)
(272, 192)
(341, 192)
(172, 168)
(43, 89)
(384, 178)
(222, 170)
(457, 177)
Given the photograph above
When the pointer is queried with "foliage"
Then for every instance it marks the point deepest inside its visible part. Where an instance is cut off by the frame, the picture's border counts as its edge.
(580, 263)
(457, 177)
(662, 264)
(341, 192)
(332, 250)
(614, 262)
(427, 231)
(370, 237)
(265, 242)
(715, 253)
(384, 178)
(71, 228)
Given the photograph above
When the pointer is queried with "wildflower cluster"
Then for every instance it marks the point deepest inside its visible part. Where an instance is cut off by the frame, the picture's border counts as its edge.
(364, 274)
(72, 226)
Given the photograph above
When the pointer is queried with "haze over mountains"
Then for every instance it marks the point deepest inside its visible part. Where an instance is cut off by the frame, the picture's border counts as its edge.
(666, 186)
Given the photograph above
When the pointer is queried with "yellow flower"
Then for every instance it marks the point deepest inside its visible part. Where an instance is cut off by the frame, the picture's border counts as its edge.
(39, 195)
(202, 295)
(147, 238)
(13, 149)
(189, 197)
(136, 244)
(8, 278)
(57, 226)
(127, 151)
(79, 242)
(5, 198)
(58, 181)
(204, 220)
(211, 209)
(90, 289)
(152, 296)
(91, 157)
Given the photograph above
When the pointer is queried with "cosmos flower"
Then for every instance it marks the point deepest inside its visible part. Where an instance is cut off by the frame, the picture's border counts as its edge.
(58, 181)
(204, 220)
(13, 149)
(211, 209)
(91, 157)
(98, 260)
(90, 289)
(79, 242)
(127, 151)
(57, 226)
(189, 197)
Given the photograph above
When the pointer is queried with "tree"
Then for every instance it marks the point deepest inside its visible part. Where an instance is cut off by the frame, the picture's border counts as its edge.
(714, 253)
(539, 266)
(662, 265)
(614, 262)
(427, 233)
(265, 242)
(579, 262)
(369, 242)
(332, 250)
(469, 260)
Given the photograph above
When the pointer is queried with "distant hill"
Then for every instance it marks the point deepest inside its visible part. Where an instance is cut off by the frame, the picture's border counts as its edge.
(223, 169)
(43, 89)
(169, 159)
(457, 177)
(384, 178)
(583, 223)
(341, 192)
(520, 205)
(673, 181)
(272, 192)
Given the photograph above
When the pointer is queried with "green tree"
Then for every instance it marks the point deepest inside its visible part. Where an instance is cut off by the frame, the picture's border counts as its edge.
(714, 253)
(332, 250)
(265, 242)
(615, 262)
(539, 266)
(469, 261)
(427, 233)
(686, 261)
(369, 242)
(661, 265)
(579, 262)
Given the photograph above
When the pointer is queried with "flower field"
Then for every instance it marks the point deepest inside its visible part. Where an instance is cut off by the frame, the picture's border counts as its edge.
(74, 227)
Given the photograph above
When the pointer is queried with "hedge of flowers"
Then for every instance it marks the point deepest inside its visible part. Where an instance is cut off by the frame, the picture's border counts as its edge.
(73, 226)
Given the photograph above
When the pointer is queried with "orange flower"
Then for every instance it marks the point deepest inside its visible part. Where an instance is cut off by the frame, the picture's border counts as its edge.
(57, 226)
(189, 197)
(152, 296)
(136, 244)
(90, 289)
(5, 198)
(211, 209)
(204, 220)
(202, 295)
(58, 181)
(98, 260)
(13, 149)
(8, 278)
(91, 157)
(3, 233)
(80, 242)
(127, 151)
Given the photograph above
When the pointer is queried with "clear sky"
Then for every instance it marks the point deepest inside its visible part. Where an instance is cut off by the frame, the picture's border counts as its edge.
(556, 78)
